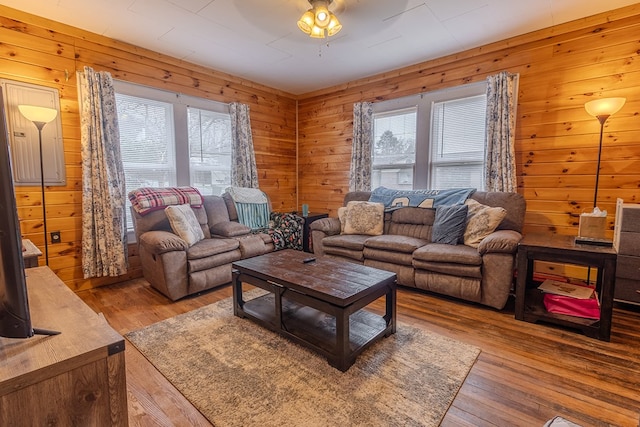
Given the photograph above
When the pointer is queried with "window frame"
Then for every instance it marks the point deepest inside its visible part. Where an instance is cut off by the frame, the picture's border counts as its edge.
(180, 119)
(180, 104)
(423, 103)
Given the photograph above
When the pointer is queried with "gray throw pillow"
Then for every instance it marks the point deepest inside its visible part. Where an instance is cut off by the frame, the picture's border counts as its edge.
(449, 224)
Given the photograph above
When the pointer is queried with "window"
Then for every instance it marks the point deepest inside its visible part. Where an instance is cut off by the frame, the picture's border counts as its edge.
(434, 140)
(457, 143)
(209, 150)
(168, 139)
(394, 149)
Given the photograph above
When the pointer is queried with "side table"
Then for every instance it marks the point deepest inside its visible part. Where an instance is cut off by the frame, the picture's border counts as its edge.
(30, 253)
(307, 244)
(563, 250)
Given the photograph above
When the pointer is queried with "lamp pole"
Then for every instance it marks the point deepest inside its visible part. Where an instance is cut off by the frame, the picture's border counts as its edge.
(40, 116)
(602, 119)
(602, 109)
(40, 125)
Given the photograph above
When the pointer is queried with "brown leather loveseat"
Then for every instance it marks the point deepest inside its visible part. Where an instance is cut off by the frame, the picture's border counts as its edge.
(176, 269)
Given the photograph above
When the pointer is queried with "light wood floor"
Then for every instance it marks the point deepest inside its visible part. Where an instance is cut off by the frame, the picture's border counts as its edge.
(525, 374)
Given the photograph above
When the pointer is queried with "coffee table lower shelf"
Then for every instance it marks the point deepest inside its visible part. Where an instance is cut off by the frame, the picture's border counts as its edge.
(314, 328)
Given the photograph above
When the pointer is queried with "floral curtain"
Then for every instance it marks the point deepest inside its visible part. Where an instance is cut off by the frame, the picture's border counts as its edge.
(360, 173)
(104, 234)
(244, 172)
(502, 90)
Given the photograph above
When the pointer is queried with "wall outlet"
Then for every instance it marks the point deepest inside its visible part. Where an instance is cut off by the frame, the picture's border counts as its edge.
(55, 237)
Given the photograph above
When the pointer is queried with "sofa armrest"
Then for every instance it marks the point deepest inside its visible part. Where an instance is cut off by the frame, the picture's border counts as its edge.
(329, 226)
(229, 229)
(501, 241)
(158, 242)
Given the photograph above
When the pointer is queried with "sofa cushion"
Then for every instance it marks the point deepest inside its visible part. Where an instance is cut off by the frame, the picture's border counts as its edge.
(364, 218)
(184, 223)
(395, 243)
(437, 252)
(348, 241)
(481, 221)
(230, 229)
(449, 224)
(209, 247)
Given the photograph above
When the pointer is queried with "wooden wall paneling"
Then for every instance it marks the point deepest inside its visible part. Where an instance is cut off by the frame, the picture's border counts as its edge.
(40, 51)
(560, 69)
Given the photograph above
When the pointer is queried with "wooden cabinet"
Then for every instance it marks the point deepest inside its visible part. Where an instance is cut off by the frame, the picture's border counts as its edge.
(626, 241)
(76, 378)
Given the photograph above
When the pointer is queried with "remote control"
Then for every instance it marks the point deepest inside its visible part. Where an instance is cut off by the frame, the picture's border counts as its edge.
(308, 260)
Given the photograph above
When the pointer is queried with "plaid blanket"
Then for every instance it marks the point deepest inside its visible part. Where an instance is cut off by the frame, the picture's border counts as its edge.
(148, 199)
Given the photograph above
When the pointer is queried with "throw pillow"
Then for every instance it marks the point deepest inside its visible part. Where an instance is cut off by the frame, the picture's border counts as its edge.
(184, 223)
(482, 220)
(342, 216)
(449, 224)
(364, 218)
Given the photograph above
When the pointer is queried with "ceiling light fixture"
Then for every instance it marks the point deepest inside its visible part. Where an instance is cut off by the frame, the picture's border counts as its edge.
(318, 22)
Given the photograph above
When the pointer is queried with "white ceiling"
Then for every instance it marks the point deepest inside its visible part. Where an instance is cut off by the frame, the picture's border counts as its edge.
(260, 41)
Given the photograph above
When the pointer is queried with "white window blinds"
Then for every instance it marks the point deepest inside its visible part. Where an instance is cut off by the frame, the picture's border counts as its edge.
(209, 150)
(458, 143)
(394, 149)
(146, 142)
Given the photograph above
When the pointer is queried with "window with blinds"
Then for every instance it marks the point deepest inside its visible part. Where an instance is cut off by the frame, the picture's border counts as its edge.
(147, 142)
(394, 149)
(169, 139)
(209, 150)
(433, 140)
(458, 142)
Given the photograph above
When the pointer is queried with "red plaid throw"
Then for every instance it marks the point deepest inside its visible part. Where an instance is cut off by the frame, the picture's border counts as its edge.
(147, 199)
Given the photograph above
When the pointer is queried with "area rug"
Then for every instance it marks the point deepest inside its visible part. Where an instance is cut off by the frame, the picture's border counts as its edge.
(237, 373)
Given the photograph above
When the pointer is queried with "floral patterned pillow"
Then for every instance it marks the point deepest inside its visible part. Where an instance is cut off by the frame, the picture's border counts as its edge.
(364, 218)
(184, 223)
(482, 220)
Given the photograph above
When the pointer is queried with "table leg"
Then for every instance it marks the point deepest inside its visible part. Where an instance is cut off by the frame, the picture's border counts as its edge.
(390, 314)
(236, 284)
(525, 269)
(343, 347)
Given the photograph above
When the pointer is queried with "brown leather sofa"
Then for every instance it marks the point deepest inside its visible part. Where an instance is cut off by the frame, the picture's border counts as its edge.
(176, 269)
(483, 274)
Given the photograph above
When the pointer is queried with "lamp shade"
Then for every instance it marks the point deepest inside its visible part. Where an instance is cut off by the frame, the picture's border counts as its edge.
(318, 22)
(604, 107)
(38, 114)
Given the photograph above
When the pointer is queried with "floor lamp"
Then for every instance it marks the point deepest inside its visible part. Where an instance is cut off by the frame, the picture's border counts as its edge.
(602, 109)
(40, 116)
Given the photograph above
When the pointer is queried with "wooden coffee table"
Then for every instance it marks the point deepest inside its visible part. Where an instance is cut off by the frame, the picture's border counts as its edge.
(319, 304)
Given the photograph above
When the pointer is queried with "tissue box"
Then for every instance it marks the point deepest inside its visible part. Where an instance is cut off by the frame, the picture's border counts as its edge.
(592, 226)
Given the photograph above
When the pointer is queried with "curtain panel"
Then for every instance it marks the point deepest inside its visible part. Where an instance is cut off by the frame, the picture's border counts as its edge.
(104, 233)
(502, 90)
(360, 170)
(244, 172)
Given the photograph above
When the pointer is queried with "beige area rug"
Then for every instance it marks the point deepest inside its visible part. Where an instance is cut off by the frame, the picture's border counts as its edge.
(239, 374)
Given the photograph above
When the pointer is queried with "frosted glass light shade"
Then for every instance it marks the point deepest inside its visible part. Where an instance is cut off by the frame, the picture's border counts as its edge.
(306, 22)
(605, 106)
(38, 114)
(318, 22)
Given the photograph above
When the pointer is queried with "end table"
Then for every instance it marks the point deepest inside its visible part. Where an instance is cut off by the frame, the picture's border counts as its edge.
(563, 250)
(307, 243)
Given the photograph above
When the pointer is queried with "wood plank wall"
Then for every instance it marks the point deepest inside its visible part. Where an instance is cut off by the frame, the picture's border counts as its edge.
(47, 53)
(560, 69)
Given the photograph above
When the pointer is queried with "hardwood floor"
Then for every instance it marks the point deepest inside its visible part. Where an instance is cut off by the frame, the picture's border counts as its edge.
(525, 374)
